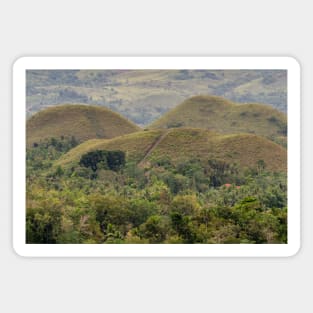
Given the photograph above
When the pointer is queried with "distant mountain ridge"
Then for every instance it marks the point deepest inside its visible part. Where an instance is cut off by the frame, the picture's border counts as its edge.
(145, 95)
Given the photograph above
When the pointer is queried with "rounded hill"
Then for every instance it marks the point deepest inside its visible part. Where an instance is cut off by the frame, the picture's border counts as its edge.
(148, 148)
(84, 122)
(218, 114)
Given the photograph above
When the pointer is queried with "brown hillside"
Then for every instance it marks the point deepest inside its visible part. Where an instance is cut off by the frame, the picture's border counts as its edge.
(84, 122)
(187, 143)
(223, 116)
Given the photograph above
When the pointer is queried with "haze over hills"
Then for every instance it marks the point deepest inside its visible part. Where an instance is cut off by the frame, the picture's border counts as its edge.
(221, 115)
(145, 95)
(147, 148)
(81, 121)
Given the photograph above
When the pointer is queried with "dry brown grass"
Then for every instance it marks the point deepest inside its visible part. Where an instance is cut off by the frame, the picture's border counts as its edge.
(218, 114)
(84, 122)
(182, 144)
(134, 145)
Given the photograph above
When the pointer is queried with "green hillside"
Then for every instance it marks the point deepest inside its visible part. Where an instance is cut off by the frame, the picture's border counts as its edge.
(218, 114)
(149, 148)
(81, 121)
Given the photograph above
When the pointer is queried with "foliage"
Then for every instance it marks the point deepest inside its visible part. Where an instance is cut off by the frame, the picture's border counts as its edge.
(113, 160)
(174, 185)
(42, 154)
(167, 203)
(165, 148)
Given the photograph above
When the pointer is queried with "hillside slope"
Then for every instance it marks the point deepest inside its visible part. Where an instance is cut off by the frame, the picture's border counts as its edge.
(218, 114)
(81, 121)
(181, 144)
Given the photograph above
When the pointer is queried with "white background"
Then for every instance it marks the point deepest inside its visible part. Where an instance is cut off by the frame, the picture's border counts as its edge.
(135, 27)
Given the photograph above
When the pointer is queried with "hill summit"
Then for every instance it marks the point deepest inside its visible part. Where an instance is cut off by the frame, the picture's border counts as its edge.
(221, 115)
(149, 148)
(84, 122)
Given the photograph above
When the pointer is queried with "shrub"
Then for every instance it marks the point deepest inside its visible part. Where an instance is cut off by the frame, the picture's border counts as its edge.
(113, 160)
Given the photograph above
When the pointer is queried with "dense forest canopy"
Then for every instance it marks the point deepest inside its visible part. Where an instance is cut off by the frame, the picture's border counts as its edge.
(102, 201)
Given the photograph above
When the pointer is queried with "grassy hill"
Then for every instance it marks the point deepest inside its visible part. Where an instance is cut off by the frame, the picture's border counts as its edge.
(180, 144)
(81, 121)
(221, 115)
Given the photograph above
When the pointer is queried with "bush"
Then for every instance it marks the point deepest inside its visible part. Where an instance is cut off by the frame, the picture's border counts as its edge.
(155, 229)
(102, 159)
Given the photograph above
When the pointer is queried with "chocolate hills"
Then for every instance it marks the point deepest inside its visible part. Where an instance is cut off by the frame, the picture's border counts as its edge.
(224, 116)
(147, 148)
(81, 121)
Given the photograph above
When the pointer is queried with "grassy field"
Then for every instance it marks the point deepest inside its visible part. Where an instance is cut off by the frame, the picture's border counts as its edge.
(181, 144)
(221, 115)
(135, 145)
(81, 121)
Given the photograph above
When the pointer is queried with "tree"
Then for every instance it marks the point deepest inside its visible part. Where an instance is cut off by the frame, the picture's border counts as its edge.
(93, 158)
(43, 225)
(113, 160)
(155, 229)
(111, 210)
(220, 171)
(261, 166)
(183, 227)
(185, 205)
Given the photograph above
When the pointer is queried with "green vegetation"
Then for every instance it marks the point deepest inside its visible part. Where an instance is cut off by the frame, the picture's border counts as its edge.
(208, 172)
(150, 148)
(170, 201)
(110, 160)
